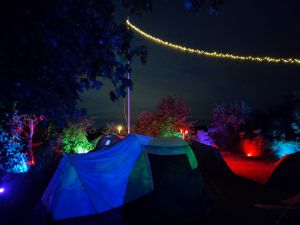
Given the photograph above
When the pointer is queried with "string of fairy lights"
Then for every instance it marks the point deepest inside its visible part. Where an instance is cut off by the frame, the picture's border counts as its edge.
(266, 59)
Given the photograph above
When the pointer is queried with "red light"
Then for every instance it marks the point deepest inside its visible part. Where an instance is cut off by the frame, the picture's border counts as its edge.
(253, 147)
(186, 131)
(31, 162)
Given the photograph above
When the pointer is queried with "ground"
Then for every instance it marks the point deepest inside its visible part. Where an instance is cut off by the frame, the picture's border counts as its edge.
(256, 169)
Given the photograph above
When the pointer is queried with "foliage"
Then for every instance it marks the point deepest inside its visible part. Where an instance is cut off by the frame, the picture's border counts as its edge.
(282, 148)
(168, 128)
(282, 121)
(147, 124)
(296, 115)
(195, 5)
(227, 121)
(281, 125)
(204, 138)
(172, 115)
(110, 129)
(12, 155)
(52, 50)
(74, 139)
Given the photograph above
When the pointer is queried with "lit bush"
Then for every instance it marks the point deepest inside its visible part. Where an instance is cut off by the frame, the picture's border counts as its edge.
(226, 123)
(282, 148)
(172, 116)
(12, 157)
(204, 138)
(74, 139)
(168, 129)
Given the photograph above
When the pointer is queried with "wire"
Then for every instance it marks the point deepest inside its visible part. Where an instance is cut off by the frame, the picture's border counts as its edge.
(266, 59)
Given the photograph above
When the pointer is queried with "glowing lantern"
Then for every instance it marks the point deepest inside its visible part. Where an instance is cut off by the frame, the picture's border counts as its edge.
(2, 190)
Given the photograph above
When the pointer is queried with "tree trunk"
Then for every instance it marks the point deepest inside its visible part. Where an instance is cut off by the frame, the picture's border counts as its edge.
(31, 132)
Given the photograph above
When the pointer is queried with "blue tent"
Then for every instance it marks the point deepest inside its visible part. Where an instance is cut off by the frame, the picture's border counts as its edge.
(101, 180)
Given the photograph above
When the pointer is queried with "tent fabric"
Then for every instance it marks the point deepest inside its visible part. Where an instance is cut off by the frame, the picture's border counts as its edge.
(95, 182)
(168, 146)
(212, 162)
(285, 179)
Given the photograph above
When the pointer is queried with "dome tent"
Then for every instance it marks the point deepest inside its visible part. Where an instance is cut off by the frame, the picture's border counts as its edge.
(285, 179)
(100, 181)
(107, 141)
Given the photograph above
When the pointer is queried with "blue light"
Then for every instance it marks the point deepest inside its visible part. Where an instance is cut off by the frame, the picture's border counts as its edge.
(22, 166)
(282, 148)
(2, 190)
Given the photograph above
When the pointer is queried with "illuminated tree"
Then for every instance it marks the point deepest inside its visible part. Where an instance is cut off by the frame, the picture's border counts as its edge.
(29, 124)
(147, 124)
(53, 50)
(12, 155)
(172, 115)
(227, 121)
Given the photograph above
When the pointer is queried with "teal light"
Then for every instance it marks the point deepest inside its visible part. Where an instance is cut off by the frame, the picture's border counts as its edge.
(21, 166)
(282, 148)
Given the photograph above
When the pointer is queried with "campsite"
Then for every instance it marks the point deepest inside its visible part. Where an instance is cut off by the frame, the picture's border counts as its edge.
(149, 112)
(169, 182)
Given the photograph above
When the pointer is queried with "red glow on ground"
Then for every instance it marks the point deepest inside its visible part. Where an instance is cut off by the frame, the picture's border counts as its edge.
(256, 169)
(253, 147)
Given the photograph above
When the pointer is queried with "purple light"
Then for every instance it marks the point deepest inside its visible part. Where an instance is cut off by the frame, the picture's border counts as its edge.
(2, 190)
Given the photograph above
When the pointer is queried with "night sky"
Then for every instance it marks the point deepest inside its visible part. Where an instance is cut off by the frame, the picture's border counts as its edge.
(262, 28)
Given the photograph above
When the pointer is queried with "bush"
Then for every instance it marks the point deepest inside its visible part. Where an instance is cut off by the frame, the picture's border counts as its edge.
(74, 138)
(171, 116)
(227, 122)
(282, 147)
(203, 137)
(12, 156)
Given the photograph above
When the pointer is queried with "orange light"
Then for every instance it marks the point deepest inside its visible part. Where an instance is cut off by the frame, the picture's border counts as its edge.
(119, 128)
